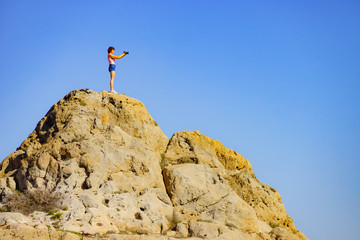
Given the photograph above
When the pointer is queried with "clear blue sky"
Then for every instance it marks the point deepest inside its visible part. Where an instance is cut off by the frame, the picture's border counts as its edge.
(277, 81)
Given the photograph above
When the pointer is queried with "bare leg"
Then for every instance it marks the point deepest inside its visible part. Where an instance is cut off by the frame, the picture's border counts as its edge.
(112, 77)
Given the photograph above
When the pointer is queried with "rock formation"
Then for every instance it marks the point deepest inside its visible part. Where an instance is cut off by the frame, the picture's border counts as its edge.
(116, 175)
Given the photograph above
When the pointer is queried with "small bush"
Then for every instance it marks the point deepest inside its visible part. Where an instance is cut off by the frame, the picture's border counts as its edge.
(30, 201)
(141, 232)
(273, 225)
(110, 232)
(67, 231)
(163, 161)
(186, 159)
(51, 212)
(173, 222)
(57, 216)
(56, 224)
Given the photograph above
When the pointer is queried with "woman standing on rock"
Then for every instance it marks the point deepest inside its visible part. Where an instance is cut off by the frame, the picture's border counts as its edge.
(112, 66)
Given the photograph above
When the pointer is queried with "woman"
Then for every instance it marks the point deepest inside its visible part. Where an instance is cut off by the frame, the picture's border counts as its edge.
(112, 66)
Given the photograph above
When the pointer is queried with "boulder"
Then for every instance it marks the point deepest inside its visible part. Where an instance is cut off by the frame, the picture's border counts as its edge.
(193, 147)
(198, 192)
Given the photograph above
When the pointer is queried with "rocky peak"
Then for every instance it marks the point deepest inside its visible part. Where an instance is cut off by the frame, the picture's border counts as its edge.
(118, 176)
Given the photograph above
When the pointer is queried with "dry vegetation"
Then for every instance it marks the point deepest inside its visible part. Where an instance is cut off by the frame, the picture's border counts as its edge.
(30, 201)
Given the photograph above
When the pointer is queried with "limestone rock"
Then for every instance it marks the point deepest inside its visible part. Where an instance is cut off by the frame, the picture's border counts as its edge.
(120, 177)
(145, 211)
(281, 234)
(91, 138)
(200, 193)
(193, 147)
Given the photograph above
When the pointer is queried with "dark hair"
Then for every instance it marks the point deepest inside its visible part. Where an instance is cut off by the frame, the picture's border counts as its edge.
(110, 49)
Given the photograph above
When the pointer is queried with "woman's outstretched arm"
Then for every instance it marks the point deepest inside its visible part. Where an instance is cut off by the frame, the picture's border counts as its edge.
(117, 57)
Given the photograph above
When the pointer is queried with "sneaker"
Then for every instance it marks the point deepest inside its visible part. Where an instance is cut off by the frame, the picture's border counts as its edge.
(113, 91)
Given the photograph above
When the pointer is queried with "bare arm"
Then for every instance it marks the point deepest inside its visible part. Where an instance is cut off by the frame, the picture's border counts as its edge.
(117, 57)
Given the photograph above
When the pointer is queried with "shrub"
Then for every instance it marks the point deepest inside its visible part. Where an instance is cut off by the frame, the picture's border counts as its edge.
(140, 232)
(30, 201)
(273, 225)
(173, 222)
(163, 161)
(186, 159)
(57, 216)
(51, 212)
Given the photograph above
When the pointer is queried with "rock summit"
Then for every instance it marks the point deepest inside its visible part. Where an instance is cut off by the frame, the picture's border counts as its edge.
(98, 166)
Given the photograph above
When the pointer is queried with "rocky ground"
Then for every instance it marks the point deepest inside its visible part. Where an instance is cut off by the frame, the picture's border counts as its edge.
(98, 166)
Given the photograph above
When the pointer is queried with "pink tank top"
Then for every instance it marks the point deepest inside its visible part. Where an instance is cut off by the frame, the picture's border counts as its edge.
(111, 60)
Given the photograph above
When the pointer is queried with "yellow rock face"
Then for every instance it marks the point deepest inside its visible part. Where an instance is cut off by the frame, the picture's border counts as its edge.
(120, 177)
(193, 147)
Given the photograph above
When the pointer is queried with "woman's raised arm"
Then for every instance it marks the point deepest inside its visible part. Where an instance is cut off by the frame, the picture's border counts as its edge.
(117, 57)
